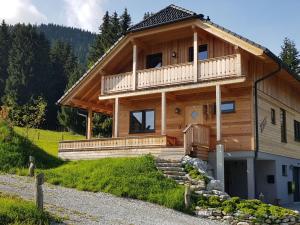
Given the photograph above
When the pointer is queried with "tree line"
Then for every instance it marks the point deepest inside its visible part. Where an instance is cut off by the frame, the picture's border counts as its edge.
(35, 72)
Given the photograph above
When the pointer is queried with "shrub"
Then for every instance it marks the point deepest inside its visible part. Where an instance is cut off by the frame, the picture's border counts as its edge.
(214, 201)
(195, 174)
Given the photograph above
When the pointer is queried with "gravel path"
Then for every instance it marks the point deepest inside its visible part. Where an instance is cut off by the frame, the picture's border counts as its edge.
(79, 207)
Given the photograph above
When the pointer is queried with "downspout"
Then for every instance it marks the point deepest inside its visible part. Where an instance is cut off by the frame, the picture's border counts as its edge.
(256, 121)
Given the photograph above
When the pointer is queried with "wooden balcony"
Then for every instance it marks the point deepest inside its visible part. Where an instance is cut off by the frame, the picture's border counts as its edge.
(117, 143)
(211, 69)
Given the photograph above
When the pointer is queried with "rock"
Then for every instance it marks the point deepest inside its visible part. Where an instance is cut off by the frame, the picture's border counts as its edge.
(292, 219)
(204, 213)
(284, 224)
(243, 223)
(217, 213)
(228, 218)
(197, 163)
(214, 185)
(285, 220)
(268, 221)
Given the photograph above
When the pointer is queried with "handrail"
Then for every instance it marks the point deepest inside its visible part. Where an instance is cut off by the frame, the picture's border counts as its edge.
(165, 67)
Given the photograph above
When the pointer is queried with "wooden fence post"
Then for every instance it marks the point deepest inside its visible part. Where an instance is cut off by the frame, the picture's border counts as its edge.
(39, 196)
(31, 166)
(187, 196)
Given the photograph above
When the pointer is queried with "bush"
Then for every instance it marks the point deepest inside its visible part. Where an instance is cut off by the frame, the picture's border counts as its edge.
(195, 174)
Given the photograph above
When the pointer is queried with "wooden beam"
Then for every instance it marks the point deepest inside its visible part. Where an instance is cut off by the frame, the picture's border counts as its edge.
(134, 66)
(89, 127)
(218, 113)
(116, 118)
(195, 62)
(163, 113)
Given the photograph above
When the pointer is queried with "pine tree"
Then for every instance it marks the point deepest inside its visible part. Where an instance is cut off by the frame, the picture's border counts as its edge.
(28, 65)
(125, 21)
(115, 30)
(290, 55)
(5, 44)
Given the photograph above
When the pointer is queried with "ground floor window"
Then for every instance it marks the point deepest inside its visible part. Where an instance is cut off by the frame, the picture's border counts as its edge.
(142, 121)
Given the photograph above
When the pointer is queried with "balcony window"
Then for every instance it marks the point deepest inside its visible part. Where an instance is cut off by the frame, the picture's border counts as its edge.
(202, 53)
(154, 61)
(142, 121)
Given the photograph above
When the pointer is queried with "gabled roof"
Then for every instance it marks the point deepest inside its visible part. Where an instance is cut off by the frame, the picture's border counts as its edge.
(170, 14)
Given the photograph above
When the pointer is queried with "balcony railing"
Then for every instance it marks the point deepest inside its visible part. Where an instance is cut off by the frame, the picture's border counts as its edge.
(210, 69)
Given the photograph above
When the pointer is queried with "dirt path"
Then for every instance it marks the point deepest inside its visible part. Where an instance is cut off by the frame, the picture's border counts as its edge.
(79, 207)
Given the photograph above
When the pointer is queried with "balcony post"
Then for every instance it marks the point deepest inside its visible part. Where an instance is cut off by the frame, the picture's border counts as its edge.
(220, 146)
(163, 113)
(134, 66)
(195, 62)
(89, 127)
(102, 84)
(116, 118)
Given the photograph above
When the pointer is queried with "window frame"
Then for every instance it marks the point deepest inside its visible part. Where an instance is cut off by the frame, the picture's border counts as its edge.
(191, 52)
(283, 126)
(153, 55)
(226, 111)
(297, 130)
(273, 116)
(143, 111)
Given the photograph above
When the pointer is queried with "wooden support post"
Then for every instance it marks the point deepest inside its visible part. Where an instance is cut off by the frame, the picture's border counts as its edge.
(89, 128)
(102, 84)
(39, 196)
(220, 146)
(116, 118)
(195, 62)
(187, 196)
(134, 66)
(163, 113)
(238, 64)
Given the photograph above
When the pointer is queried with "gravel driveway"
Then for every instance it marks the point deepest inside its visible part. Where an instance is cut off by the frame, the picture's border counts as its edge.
(79, 207)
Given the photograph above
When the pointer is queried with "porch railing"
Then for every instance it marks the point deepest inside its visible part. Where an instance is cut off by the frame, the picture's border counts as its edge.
(117, 143)
(196, 138)
(210, 69)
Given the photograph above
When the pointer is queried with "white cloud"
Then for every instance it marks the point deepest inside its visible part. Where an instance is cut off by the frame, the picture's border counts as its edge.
(85, 14)
(23, 11)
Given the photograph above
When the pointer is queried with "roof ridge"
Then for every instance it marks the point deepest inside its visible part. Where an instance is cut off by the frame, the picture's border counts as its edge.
(182, 9)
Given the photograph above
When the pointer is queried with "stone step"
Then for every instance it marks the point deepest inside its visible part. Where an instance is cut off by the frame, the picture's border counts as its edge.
(174, 177)
(168, 164)
(175, 173)
(179, 169)
(162, 160)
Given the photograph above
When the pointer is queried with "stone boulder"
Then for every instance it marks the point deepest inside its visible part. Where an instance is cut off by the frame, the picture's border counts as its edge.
(214, 185)
(196, 163)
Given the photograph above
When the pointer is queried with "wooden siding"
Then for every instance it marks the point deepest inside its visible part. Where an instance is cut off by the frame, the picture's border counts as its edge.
(236, 127)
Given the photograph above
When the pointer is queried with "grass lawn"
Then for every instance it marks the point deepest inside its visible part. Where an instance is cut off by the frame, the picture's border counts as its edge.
(16, 211)
(47, 140)
(126, 177)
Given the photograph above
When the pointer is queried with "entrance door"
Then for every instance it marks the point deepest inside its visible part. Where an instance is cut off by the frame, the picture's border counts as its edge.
(296, 178)
(193, 114)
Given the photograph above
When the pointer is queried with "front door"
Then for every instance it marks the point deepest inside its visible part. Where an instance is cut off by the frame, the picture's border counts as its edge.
(193, 114)
(296, 178)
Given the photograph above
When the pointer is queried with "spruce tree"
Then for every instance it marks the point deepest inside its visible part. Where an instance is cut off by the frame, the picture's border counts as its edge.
(125, 21)
(5, 43)
(290, 55)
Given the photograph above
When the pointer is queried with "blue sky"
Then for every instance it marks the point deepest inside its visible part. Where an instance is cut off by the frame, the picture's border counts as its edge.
(264, 21)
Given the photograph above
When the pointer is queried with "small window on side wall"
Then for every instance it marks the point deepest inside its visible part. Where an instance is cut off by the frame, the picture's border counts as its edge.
(226, 107)
(273, 116)
(202, 53)
(297, 130)
(283, 126)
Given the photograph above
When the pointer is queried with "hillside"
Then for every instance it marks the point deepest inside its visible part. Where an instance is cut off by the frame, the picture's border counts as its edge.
(79, 39)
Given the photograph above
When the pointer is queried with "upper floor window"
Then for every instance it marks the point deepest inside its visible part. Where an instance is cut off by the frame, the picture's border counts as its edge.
(202, 53)
(283, 125)
(273, 116)
(142, 121)
(154, 61)
(297, 130)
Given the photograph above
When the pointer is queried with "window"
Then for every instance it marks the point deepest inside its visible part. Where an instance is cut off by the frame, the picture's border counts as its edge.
(154, 61)
(283, 125)
(284, 170)
(273, 116)
(226, 107)
(202, 53)
(297, 130)
(142, 121)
